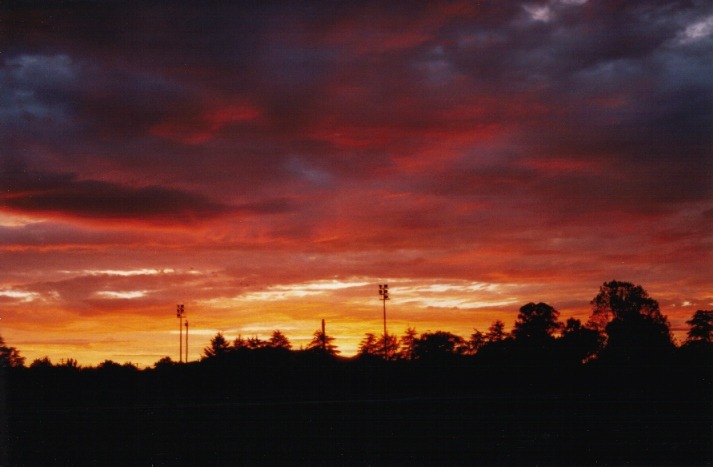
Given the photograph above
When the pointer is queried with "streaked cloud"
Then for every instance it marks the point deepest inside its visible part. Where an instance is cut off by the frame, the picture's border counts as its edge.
(121, 294)
(19, 295)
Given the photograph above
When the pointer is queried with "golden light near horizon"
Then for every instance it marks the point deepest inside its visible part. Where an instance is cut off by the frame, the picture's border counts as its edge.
(349, 306)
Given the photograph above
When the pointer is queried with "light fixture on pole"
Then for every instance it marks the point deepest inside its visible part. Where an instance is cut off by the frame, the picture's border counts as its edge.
(383, 296)
(180, 310)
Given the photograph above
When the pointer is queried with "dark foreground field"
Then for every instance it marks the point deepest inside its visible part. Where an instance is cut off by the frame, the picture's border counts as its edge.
(408, 432)
(352, 413)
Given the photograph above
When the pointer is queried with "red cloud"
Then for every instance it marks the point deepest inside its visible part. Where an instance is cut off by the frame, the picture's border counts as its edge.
(203, 127)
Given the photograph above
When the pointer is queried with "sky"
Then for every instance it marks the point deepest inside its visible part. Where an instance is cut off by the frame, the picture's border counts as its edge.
(269, 164)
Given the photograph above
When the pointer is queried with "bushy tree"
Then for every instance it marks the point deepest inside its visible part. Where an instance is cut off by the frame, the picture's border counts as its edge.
(496, 332)
(43, 362)
(439, 344)
(631, 321)
(579, 343)
(475, 342)
(536, 323)
(10, 356)
(110, 366)
(165, 362)
(618, 300)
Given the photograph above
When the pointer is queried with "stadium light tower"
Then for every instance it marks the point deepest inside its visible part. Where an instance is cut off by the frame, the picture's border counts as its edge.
(383, 296)
(180, 310)
(186, 341)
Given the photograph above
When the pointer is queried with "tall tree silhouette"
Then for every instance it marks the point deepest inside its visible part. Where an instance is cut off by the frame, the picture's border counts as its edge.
(391, 343)
(322, 343)
(218, 346)
(475, 342)
(279, 341)
(701, 327)
(631, 320)
(408, 343)
(368, 345)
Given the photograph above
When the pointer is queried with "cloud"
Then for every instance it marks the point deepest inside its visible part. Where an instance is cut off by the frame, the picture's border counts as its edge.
(65, 195)
(539, 12)
(700, 29)
(122, 295)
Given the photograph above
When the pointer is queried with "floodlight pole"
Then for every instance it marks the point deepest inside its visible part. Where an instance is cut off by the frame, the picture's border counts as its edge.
(179, 314)
(383, 296)
(324, 338)
(186, 341)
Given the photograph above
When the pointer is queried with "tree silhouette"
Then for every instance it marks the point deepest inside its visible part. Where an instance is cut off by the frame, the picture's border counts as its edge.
(631, 320)
(438, 345)
(10, 356)
(322, 343)
(165, 362)
(536, 323)
(701, 327)
(391, 343)
(368, 345)
(219, 346)
(408, 343)
(279, 341)
(618, 300)
(496, 332)
(112, 367)
(240, 343)
(43, 362)
(475, 342)
(255, 343)
(579, 343)
(69, 363)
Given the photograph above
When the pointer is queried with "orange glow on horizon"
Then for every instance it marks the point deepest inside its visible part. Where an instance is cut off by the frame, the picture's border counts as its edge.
(349, 308)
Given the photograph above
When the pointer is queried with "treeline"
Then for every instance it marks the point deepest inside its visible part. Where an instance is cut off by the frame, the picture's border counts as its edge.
(615, 389)
(626, 324)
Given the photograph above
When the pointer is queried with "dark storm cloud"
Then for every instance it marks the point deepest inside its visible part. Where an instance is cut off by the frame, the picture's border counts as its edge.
(65, 195)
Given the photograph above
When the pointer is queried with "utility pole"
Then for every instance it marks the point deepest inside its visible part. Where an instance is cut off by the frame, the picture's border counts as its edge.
(383, 296)
(179, 314)
(186, 341)
(324, 338)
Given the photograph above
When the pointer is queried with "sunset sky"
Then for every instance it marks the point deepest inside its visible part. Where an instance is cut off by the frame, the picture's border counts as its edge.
(269, 164)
